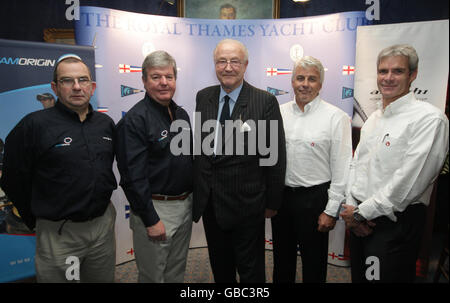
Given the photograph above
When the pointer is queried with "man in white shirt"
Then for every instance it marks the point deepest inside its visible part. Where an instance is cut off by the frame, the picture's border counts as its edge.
(402, 148)
(319, 150)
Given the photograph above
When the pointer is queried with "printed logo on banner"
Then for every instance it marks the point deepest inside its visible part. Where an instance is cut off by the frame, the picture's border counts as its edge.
(127, 211)
(340, 257)
(273, 71)
(347, 92)
(276, 91)
(130, 251)
(348, 70)
(27, 61)
(127, 90)
(125, 68)
(420, 93)
(102, 109)
(296, 52)
(376, 95)
(19, 261)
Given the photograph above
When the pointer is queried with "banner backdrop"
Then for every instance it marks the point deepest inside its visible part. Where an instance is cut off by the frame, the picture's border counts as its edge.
(122, 40)
(430, 39)
(26, 70)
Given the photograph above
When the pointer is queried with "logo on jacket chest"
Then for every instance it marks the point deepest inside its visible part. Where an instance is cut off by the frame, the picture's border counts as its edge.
(66, 142)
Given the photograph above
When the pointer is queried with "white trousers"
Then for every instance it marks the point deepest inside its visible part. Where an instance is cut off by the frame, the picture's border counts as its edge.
(164, 261)
(91, 244)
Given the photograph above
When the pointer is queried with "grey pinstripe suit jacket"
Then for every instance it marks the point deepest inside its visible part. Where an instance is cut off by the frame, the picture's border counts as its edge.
(238, 186)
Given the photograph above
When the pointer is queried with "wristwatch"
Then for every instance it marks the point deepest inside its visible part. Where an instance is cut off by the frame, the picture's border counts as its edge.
(357, 216)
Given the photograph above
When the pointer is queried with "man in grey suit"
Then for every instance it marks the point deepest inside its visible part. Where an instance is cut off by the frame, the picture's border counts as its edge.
(235, 191)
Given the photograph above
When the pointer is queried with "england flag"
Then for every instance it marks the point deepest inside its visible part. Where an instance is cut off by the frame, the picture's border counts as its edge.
(271, 71)
(125, 68)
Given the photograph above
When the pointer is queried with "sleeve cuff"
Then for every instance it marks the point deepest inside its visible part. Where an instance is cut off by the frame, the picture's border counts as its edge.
(149, 218)
(332, 208)
(369, 210)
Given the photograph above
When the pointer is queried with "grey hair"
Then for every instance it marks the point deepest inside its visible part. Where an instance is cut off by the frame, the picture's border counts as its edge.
(243, 47)
(158, 58)
(308, 62)
(401, 50)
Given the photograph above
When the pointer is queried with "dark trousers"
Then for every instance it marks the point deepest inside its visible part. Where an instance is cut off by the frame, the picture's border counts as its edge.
(241, 249)
(296, 223)
(395, 244)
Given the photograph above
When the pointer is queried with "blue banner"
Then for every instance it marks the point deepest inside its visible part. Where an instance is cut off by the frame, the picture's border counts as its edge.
(16, 257)
(27, 70)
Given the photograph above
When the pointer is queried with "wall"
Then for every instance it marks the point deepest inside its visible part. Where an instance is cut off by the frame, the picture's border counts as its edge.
(26, 19)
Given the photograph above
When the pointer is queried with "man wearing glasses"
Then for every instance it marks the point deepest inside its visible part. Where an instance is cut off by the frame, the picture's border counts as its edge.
(233, 192)
(58, 173)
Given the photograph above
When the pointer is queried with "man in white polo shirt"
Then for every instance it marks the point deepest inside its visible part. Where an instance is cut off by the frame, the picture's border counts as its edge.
(319, 150)
(401, 151)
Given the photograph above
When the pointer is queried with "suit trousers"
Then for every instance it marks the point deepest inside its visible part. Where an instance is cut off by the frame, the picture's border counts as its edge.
(296, 224)
(164, 261)
(241, 248)
(395, 245)
(92, 242)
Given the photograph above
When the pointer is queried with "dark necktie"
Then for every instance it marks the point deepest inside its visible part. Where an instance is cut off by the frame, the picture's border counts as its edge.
(225, 115)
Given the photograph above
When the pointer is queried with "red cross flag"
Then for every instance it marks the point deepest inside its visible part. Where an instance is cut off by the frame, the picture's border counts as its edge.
(125, 68)
(271, 71)
(348, 70)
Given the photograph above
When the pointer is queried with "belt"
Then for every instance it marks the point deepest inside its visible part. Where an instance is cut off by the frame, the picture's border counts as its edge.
(170, 198)
(302, 188)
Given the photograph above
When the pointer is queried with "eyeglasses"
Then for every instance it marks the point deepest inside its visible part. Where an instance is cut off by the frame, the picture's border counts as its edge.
(70, 82)
(223, 63)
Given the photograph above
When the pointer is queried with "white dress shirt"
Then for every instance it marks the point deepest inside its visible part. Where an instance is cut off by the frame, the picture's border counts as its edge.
(400, 154)
(318, 148)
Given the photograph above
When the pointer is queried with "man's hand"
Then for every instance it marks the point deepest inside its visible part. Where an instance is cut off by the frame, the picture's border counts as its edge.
(360, 229)
(347, 215)
(157, 232)
(270, 213)
(363, 229)
(326, 222)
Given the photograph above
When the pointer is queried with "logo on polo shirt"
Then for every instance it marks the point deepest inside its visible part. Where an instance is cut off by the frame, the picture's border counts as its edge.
(67, 141)
(164, 134)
